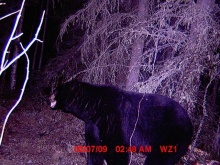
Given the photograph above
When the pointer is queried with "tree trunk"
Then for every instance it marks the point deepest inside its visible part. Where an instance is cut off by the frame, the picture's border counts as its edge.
(35, 55)
(15, 53)
(43, 38)
(36, 44)
(137, 49)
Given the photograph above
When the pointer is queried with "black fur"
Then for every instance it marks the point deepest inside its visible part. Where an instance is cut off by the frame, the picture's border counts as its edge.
(110, 115)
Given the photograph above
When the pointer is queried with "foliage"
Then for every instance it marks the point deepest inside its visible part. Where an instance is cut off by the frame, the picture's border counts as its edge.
(104, 50)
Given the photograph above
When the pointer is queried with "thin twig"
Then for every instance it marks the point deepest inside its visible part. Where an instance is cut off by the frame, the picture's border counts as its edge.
(8, 15)
(135, 125)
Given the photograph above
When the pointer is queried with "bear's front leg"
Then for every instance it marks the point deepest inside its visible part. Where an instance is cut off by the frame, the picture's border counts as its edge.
(93, 139)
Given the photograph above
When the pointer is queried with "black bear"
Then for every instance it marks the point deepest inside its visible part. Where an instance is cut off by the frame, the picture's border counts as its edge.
(118, 122)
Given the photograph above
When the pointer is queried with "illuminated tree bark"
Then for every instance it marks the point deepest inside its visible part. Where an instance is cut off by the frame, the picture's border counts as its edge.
(137, 49)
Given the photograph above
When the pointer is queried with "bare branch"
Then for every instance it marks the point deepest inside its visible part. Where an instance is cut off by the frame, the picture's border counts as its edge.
(135, 125)
(11, 37)
(6, 64)
(2, 3)
(8, 15)
(27, 47)
(15, 37)
(20, 96)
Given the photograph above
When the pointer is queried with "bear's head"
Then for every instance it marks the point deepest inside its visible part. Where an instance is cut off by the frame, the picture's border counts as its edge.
(57, 98)
(53, 101)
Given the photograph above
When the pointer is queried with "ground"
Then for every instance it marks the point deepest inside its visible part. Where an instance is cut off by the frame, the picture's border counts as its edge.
(40, 136)
(37, 135)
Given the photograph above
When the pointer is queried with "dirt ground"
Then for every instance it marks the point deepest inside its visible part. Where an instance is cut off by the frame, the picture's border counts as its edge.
(37, 135)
